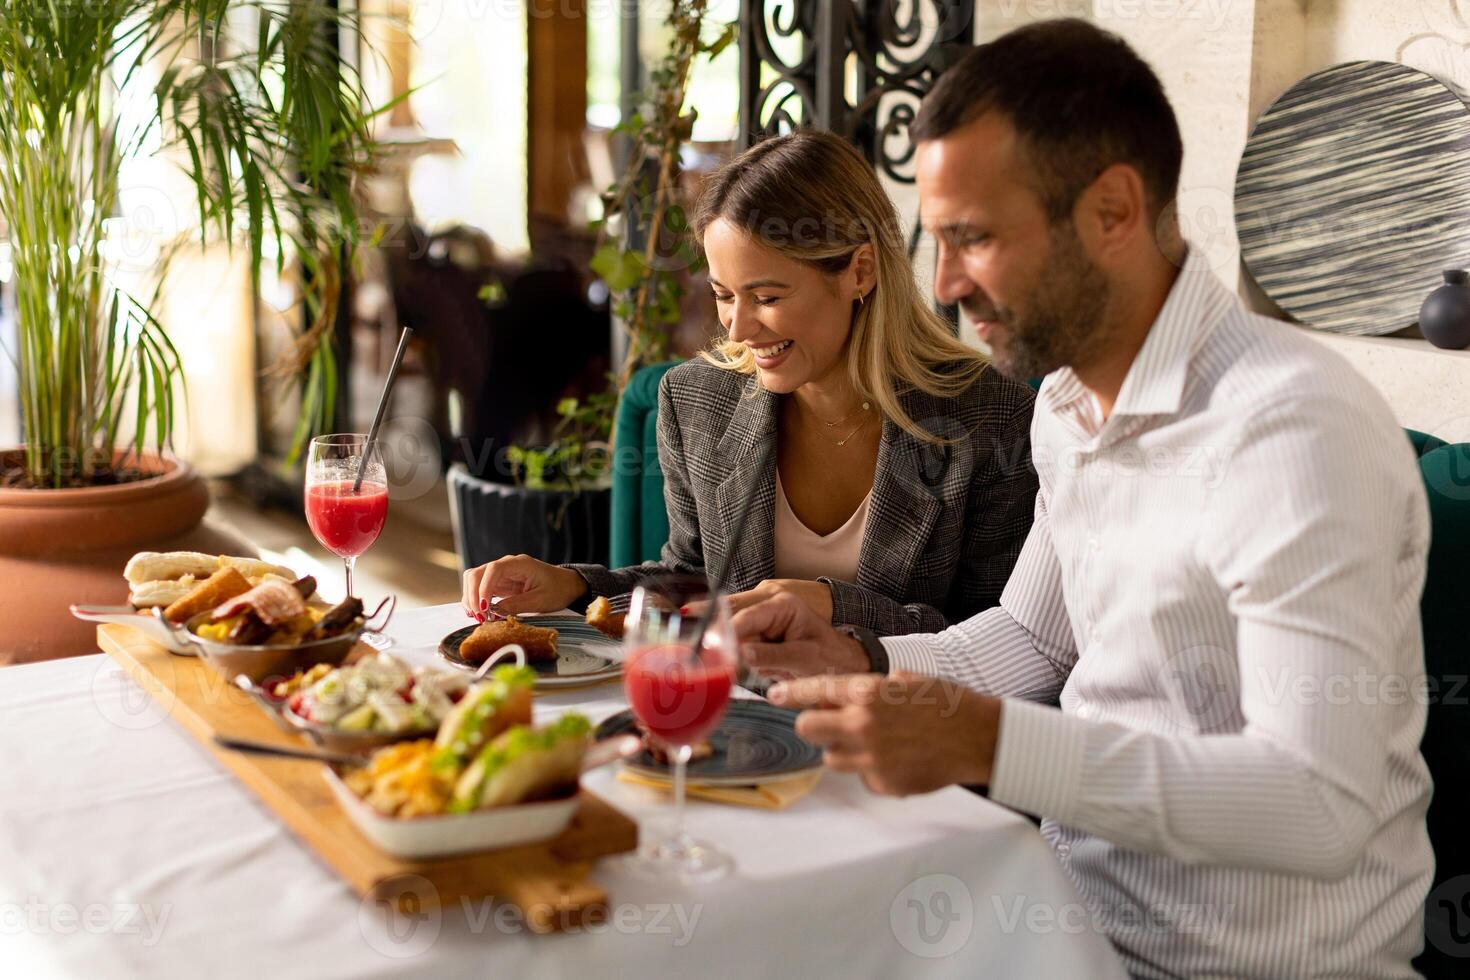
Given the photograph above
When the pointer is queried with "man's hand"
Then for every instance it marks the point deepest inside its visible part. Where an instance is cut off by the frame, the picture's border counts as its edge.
(782, 637)
(903, 733)
(817, 595)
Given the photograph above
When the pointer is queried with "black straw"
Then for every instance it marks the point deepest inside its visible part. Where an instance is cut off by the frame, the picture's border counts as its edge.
(382, 406)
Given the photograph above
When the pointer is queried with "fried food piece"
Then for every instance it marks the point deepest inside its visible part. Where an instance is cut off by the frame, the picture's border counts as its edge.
(220, 587)
(699, 750)
(273, 601)
(600, 616)
(339, 619)
(539, 642)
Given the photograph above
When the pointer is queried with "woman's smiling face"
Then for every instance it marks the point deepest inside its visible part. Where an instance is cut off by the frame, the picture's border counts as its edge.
(794, 318)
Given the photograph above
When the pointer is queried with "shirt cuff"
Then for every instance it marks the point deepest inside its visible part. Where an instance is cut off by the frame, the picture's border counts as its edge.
(914, 654)
(1038, 760)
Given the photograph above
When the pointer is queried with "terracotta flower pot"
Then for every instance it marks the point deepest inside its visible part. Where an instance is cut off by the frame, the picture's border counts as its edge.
(58, 547)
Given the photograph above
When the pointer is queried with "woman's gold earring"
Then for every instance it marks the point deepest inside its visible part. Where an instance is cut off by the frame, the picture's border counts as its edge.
(861, 300)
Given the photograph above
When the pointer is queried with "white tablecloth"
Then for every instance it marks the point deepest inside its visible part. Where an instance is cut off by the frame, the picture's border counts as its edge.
(127, 851)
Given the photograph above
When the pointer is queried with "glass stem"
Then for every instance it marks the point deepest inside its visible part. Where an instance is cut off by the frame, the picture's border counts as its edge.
(681, 763)
(348, 562)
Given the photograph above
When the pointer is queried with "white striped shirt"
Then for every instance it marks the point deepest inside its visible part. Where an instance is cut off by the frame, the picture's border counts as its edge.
(1222, 585)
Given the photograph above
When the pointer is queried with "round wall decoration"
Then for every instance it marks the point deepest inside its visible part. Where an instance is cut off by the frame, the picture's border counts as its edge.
(1353, 194)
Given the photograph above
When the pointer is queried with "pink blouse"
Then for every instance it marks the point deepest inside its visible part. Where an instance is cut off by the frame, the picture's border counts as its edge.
(803, 553)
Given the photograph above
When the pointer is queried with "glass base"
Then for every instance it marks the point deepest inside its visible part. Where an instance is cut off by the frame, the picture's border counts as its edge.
(680, 857)
(377, 640)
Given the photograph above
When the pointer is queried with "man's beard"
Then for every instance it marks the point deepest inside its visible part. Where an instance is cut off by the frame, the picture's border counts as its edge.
(1064, 323)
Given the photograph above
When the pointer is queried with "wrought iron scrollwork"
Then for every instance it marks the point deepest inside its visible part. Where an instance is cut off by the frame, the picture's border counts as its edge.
(856, 67)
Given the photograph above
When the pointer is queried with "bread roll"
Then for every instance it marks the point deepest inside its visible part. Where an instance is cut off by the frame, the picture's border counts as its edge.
(165, 578)
(153, 566)
(255, 570)
(145, 595)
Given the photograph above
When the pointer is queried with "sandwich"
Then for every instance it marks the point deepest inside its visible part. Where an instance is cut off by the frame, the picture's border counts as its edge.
(524, 764)
(487, 709)
(164, 578)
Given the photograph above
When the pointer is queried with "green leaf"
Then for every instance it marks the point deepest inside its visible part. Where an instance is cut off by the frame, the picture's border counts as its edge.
(620, 269)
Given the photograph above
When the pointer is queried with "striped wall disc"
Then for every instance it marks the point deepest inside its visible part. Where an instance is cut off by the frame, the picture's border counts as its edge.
(1354, 193)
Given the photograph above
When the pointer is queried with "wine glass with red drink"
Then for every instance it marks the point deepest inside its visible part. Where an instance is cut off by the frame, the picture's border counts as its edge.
(345, 518)
(679, 695)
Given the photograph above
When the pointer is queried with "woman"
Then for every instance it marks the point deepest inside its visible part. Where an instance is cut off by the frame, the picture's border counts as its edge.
(901, 487)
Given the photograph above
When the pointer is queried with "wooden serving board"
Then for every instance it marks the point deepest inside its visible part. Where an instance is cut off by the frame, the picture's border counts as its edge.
(547, 881)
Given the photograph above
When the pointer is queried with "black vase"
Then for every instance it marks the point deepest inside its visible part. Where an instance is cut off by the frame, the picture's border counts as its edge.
(1444, 319)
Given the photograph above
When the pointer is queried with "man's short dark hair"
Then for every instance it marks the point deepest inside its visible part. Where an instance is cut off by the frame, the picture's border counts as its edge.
(1080, 100)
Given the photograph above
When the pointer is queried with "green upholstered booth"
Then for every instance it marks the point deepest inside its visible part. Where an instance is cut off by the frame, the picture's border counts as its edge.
(1446, 747)
(640, 524)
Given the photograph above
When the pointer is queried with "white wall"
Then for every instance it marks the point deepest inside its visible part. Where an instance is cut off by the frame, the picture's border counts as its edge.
(1222, 62)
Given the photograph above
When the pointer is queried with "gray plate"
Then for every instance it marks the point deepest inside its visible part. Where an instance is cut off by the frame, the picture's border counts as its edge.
(1353, 193)
(580, 653)
(755, 743)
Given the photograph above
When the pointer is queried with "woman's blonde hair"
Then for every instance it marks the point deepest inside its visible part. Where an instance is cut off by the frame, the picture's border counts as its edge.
(810, 196)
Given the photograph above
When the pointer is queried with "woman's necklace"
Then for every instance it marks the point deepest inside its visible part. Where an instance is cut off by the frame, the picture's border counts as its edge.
(860, 427)
(829, 426)
(833, 425)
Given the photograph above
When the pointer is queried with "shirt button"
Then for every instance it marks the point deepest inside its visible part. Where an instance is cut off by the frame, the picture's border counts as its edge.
(1093, 544)
(1096, 635)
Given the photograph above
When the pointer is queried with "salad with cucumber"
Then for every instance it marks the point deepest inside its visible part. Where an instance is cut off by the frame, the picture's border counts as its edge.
(380, 694)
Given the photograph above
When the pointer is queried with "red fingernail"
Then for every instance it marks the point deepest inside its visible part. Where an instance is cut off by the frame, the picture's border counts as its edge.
(484, 604)
(683, 610)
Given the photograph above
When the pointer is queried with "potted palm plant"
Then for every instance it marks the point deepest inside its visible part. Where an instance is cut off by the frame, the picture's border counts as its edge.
(270, 128)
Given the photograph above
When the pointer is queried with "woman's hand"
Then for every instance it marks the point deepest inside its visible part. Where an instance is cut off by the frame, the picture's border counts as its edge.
(523, 584)
(816, 595)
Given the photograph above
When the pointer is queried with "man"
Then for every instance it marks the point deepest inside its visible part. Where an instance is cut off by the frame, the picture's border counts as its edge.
(1222, 582)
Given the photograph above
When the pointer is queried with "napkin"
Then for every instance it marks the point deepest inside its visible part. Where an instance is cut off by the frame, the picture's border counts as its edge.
(767, 796)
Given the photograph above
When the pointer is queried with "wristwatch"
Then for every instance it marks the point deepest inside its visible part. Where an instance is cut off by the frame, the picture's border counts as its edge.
(872, 646)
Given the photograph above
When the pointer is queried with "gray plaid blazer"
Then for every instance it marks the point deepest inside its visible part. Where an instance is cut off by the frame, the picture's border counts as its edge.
(945, 522)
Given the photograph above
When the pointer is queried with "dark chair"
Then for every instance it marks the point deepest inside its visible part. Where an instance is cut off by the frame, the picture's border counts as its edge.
(640, 522)
(1446, 746)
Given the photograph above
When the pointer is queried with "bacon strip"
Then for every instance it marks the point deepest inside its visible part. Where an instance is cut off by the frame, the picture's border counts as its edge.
(274, 601)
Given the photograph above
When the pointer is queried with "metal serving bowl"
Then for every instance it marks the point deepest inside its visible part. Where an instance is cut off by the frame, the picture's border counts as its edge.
(339, 740)
(278, 662)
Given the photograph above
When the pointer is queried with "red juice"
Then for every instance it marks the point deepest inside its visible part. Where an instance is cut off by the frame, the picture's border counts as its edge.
(346, 523)
(679, 700)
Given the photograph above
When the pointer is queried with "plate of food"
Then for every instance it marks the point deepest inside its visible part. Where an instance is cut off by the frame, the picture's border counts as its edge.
(756, 743)
(273, 630)
(488, 779)
(167, 587)
(367, 704)
(564, 651)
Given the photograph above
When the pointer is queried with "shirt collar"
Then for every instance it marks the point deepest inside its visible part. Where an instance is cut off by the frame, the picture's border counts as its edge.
(1155, 381)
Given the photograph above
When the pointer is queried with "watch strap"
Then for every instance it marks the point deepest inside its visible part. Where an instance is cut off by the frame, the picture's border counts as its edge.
(872, 646)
